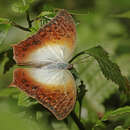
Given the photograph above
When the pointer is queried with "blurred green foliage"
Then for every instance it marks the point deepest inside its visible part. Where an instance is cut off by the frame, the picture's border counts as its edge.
(100, 24)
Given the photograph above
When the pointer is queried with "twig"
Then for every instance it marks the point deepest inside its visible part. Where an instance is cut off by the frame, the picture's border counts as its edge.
(20, 27)
(77, 121)
(48, 18)
(28, 19)
(81, 53)
(37, 18)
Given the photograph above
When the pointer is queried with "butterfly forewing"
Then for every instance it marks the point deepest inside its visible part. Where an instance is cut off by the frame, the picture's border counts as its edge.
(54, 89)
(58, 34)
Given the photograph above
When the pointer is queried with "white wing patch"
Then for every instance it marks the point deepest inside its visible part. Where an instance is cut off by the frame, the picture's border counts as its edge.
(50, 54)
(50, 77)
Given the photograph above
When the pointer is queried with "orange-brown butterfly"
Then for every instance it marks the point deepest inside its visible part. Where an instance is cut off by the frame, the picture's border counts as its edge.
(48, 52)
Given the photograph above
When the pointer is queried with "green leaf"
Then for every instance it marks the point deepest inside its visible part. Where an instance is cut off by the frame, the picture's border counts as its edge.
(99, 124)
(119, 128)
(6, 78)
(110, 70)
(25, 101)
(2, 64)
(4, 21)
(113, 115)
(43, 18)
(4, 46)
(45, 13)
(48, 7)
(119, 116)
(4, 28)
(8, 92)
(21, 6)
(80, 12)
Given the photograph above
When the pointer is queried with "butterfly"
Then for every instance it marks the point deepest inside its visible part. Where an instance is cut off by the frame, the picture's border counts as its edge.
(47, 53)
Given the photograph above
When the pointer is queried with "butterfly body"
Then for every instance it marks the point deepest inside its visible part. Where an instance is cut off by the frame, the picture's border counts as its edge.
(48, 52)
(58, 66)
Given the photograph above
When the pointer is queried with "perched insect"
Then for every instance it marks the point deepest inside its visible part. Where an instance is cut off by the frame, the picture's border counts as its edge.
(48, 52)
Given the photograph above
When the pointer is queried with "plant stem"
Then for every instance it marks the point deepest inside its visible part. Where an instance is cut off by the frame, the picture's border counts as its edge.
(77, 121)
(28, 19)
(24, 28)
(20, 27)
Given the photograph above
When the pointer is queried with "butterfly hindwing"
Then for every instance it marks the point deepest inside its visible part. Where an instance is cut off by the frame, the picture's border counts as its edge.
(54, 89)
